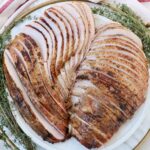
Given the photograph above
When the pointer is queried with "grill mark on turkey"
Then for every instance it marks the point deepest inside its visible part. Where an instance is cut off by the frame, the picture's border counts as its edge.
(108, 82)
(76, 26)
(33, 96)
(110, 26)
(121, 48)
(33, 45)
(122, 44)
(79, 116)
(57, 69)
(126, 43)
(41, 89)
(81, 132)
(44, 38)
(52, 10)
(112, 82)
(25, 109)
(27, 43)
(51, 95)
(52, 66)
(26, 49)
(133, 88)
(84, 23)
(28, 46)
(114, 49)
(71, 42)
(121, 37)
(131, 63)
(71, 37)
(35, 89)
(118, 105)
(121, 67)
(41, 33)
(64, 58)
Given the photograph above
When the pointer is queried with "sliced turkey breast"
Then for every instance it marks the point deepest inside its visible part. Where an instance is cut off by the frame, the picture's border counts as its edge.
(18, 78)
(45, 56)
(67, 80)
(110, 86)
(26, 108)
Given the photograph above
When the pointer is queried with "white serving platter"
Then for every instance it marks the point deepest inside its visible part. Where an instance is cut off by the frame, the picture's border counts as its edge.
(124, 133)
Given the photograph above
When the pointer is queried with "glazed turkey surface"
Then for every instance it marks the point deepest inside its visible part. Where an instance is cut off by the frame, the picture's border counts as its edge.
(69, 77)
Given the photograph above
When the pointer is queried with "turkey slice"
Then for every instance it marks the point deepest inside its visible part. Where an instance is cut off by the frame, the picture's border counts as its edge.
(124, 32)
(33, 31)
(18, 81)
(122, 44)
(21, 100)
(130, 64)
(117, 49)
(123, 38)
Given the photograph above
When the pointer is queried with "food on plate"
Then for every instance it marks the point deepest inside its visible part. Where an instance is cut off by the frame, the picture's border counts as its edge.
(69, 77)
(110, 85)
(42, 62)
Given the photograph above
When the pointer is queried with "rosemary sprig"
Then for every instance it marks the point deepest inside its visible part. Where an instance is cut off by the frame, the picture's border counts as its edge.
(7, 140)
(124, 15)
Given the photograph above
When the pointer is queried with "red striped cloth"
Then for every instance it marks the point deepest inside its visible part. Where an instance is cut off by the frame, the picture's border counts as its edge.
(144, 0)
(5, 5)
(9, 3)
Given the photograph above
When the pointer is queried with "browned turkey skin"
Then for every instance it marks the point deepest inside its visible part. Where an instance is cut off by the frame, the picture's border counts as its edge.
(110, 85)
(66, 80)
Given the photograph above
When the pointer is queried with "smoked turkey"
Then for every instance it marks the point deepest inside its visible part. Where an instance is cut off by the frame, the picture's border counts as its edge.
(68, 77)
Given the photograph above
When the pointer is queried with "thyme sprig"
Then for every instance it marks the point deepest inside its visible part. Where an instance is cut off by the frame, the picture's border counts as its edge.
(124, 15)
(4, 137)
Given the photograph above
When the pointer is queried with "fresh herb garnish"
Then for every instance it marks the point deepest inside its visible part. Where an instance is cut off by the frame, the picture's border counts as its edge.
(124, 15)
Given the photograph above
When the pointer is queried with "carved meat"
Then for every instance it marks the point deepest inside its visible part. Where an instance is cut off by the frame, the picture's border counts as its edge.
(66, 80)
(110, 86)
(44, 57)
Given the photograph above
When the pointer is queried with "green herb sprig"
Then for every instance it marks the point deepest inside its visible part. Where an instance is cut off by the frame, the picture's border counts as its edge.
(124, 15)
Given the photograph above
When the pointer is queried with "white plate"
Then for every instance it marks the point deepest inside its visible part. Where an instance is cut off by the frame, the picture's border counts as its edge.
(120, 137)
